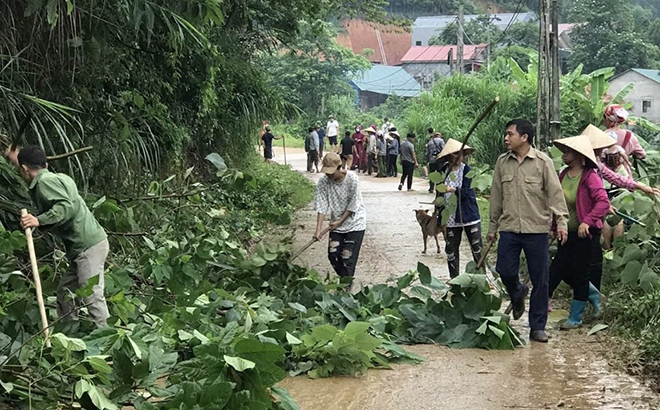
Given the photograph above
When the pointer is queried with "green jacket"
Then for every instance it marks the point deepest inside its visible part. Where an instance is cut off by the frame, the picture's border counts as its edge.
(63, 211)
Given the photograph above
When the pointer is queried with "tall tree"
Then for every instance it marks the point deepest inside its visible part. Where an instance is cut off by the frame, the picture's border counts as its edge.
(608, 37)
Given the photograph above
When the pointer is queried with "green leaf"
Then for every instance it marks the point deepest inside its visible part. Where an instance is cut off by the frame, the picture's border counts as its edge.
(88, 289)
(424, 274)
(216, 395)
(67, 343)
(7, 386)
(436, 177)
(298, 307)
(292, 340)
(99, 399)
(324, 333)
(286, 401)
(498, 332)
(405, 281)
(82, 386)
(630, 274)
(99, 364)
(597, 328)
(239, 363)
(355, 328)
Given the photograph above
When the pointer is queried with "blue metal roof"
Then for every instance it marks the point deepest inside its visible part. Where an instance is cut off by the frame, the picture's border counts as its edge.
(652, 74)
(388, 80)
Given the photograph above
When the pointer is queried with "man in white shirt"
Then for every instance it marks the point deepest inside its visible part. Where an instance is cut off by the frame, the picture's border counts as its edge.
(338, 195)
(385, 128)
(332, 131)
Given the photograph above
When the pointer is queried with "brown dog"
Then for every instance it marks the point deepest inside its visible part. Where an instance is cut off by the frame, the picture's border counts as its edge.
(429, 226)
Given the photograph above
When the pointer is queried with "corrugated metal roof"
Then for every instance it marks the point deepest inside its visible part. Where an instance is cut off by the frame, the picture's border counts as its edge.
(500, 20)
(427, 54)
(652, 74)
(388, 80)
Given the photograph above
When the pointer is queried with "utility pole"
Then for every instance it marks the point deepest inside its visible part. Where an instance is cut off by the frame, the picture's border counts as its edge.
(459, 43)
(543, 93)
(555, 115)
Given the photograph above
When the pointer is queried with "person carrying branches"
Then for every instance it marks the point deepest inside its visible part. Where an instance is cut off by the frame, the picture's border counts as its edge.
(62, 211)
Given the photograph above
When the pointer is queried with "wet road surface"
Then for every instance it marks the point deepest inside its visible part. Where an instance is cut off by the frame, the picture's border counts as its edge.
(569, 372)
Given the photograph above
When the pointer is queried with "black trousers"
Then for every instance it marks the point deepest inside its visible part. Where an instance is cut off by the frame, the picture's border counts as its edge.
(344, 250)
(596, 267)
(572, 264)
(408, 169)
(372, 163)
(432, 166)
(454, 235)
(391, 165)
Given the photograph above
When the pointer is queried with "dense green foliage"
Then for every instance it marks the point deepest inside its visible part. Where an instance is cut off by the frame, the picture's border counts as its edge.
(203, 318)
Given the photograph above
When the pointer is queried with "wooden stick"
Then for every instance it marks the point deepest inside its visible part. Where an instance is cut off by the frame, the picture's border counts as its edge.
(69, 154)
(284, 147)
(37, 280)
(310, 243)
(484, 255)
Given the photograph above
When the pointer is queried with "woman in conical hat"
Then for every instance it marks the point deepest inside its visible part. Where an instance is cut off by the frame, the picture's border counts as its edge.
(587, 205)
(466, 218)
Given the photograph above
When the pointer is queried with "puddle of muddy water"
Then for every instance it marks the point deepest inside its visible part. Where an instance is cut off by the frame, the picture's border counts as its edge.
(569, 372)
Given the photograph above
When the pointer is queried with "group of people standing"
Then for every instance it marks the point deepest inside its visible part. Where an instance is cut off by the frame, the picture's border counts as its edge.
(530, 206)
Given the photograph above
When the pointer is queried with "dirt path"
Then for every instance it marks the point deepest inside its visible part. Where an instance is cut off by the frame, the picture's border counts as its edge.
(568, 372)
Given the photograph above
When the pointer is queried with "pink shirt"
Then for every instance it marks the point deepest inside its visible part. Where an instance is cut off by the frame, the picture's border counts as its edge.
(634, 147)
(616, 179)
(591, 203)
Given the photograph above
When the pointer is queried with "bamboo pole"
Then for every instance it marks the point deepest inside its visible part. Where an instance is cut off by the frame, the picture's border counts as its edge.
(37, 280)
(310, 243)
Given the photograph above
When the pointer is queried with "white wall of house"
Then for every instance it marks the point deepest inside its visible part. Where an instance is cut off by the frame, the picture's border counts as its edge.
(425, 73)
(645, 95)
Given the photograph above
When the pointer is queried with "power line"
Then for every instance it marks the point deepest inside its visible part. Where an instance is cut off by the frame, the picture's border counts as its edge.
(508, 26)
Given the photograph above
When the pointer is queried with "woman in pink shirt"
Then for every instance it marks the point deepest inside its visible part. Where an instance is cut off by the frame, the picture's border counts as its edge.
(587, 206)
(614, 116)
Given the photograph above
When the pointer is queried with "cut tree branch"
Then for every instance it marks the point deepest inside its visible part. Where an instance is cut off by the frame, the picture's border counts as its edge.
(69, 154)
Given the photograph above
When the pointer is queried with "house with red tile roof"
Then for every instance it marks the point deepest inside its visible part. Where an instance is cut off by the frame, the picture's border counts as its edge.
(427, 63)
(388, 42)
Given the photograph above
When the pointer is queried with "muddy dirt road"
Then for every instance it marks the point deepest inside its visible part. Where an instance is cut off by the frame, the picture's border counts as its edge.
(569, 372)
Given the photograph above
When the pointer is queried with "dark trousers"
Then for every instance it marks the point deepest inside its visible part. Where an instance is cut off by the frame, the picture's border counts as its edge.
(453, 241)
(391, 165)
(312, 159)
(344, 250)
(572, 264)
(433, 166)
(596, 266)
(372, 164)
(535, 246)
(381, 165)
(407, 172)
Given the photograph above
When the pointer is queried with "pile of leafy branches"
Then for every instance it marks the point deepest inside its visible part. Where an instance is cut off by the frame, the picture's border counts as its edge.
(202, 318)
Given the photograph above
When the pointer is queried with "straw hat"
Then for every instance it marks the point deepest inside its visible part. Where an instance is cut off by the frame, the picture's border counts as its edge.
(579, 144)
(599, 139)
(369, 130)
(395, 132)
(452, 146)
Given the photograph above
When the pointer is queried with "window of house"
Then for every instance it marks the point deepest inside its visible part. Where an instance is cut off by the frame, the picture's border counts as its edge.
(418, 43)
(646, 106)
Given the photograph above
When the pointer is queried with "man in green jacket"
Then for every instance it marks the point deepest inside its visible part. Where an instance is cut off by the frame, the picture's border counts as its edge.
(63, 211)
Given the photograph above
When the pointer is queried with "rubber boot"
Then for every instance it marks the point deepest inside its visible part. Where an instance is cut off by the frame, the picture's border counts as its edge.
(575, 319)
(594, 299)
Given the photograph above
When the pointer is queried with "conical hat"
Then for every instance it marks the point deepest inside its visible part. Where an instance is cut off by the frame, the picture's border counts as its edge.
(369, 130)
(452, 146)
(599, 139)
(580, 144)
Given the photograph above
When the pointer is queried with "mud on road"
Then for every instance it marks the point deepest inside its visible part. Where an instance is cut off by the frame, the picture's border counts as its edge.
(569, 372)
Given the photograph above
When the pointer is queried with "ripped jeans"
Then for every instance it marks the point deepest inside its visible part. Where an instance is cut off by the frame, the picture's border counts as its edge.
(453, 241)
(344, 250)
